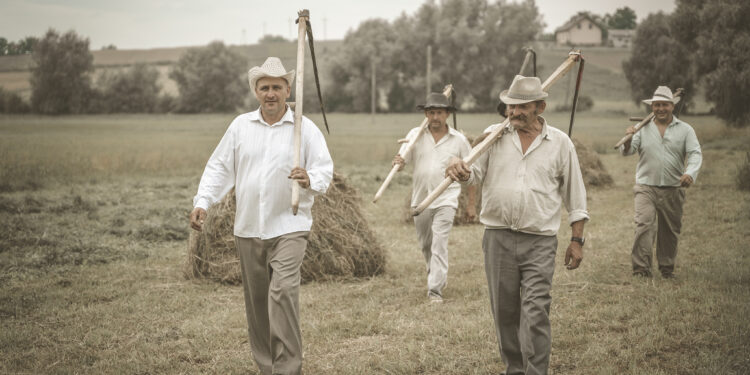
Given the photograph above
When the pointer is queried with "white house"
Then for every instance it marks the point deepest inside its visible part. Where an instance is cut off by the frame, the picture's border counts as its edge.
(621, 38)
(580, 30)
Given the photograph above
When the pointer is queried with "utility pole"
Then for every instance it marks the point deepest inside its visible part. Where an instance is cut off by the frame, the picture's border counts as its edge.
(428, 75)
(373, 91)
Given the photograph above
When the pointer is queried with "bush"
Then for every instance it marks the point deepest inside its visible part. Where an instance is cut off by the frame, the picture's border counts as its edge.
(61, 74)
(585, 103)
(134, 90)
(11, 102)
(743, 174)
(210, 79)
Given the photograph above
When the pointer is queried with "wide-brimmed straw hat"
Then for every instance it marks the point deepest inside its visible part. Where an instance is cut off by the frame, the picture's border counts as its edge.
(523, 90)
(272, 67)
(436, 100)
(663, 94)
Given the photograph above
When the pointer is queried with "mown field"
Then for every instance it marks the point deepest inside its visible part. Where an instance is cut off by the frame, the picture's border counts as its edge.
(93, 232)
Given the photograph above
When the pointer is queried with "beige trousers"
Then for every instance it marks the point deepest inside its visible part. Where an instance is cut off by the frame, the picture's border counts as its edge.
(519, 268)
(271, 278)
(433, 226)
(658, 215)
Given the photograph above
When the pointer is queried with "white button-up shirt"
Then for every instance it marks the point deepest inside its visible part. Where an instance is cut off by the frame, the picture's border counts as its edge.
(525, 192)
(662, 159)
(256, 158)
(430, 159)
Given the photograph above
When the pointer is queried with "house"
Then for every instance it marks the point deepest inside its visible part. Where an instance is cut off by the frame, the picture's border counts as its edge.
(620, 38)
(580, 30)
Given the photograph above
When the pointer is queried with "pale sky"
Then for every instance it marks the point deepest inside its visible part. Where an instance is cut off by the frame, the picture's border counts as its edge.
(140, 24)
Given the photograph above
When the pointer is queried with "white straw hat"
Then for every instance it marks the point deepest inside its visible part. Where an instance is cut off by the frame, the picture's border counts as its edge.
(272, 67)
(663, 94)
(523, 90)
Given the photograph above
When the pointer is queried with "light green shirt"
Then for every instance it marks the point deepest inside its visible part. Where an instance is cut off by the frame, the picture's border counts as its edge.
(662, 159)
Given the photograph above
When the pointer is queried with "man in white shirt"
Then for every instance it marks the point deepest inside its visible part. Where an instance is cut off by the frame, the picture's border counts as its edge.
(255, 156)
(527, 175)
(433, 149)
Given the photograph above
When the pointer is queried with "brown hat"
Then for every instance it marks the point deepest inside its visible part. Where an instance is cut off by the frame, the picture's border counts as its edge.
(436, 100)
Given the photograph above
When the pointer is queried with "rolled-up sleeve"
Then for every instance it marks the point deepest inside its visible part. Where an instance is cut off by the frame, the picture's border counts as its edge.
(219, 175)
(694, 155)
(318, 162)
(635, 143)
(573, 190)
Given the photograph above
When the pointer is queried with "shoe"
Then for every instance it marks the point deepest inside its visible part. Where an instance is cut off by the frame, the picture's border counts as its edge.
(434, 298)
(667, 275)
(643, 274)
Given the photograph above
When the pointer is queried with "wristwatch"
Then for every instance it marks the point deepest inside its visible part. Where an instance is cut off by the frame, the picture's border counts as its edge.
(580, 240)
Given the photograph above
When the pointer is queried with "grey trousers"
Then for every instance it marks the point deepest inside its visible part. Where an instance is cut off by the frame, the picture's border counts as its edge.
(519, 269)
(271, 278)
(658, 214)
(433, 226)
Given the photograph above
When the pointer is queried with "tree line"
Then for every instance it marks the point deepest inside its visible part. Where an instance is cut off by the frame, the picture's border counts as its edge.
(475, 44)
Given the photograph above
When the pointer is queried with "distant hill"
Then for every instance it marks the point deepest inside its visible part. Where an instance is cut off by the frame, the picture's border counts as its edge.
(603, 76)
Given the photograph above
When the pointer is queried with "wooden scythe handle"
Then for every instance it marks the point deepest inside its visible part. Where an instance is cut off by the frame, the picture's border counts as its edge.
(302, 29)
(644, 122)
(409, 146)
(496, 134)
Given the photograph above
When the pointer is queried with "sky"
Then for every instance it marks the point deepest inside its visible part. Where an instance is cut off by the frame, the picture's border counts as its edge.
(143, 24)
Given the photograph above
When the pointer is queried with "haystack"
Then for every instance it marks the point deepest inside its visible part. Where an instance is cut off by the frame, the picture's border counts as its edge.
(594, 173)
(341, 244)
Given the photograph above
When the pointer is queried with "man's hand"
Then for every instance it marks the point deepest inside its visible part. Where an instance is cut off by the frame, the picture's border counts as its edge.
(574, 255)
(398, 160)
(196, 218)
(300, 175)
(458, 170)
(630, 130)
(686, 181)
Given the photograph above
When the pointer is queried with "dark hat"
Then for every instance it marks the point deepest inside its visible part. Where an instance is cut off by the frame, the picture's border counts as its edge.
(436, 100)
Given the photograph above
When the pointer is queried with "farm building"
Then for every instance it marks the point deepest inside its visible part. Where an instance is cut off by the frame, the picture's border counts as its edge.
(580, 30)
(622, 38)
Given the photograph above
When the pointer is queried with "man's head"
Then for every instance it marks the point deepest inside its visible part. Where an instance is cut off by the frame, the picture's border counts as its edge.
(525, 101)
(271, 84)
(662, 104)
(437, 109)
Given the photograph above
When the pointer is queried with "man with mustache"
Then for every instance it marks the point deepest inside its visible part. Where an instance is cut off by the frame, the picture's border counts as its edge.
(434, 148)
(255, 156)
(663, 145)
(527, 176)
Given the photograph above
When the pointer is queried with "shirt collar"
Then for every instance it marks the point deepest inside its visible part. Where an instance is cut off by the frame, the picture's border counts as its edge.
(288, 117)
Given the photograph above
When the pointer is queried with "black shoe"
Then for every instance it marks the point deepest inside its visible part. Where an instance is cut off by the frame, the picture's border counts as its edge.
(643, 274)
(667, 275)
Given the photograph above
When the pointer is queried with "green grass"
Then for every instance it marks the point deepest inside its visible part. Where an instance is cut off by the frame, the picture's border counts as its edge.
(93, 211)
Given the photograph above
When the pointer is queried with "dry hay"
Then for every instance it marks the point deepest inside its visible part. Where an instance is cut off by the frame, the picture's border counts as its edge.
(341, 244)
(594, 173)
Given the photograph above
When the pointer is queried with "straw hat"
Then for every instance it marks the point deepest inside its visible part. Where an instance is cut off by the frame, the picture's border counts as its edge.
(436, 100)
(663, 94)
(523, 90)
(272, 67)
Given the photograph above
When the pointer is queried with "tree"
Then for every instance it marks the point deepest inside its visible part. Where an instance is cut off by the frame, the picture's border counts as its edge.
(658, 59)
(3, 46)
(623, 18)
(210, 79)
(718, 35)
(61, 74)
(268, 38)
(135, 90)
(476, 46)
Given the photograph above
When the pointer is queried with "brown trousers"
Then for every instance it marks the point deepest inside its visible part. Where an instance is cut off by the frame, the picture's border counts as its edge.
(658, 215)
(271, 278)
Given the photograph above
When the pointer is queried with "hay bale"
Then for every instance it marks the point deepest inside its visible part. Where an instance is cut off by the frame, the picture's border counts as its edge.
(341, 244)
(594, 173)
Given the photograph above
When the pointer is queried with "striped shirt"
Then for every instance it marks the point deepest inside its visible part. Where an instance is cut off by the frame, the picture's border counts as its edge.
(256, 158)
(430, 159)
(526, 192)
(662, 159)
